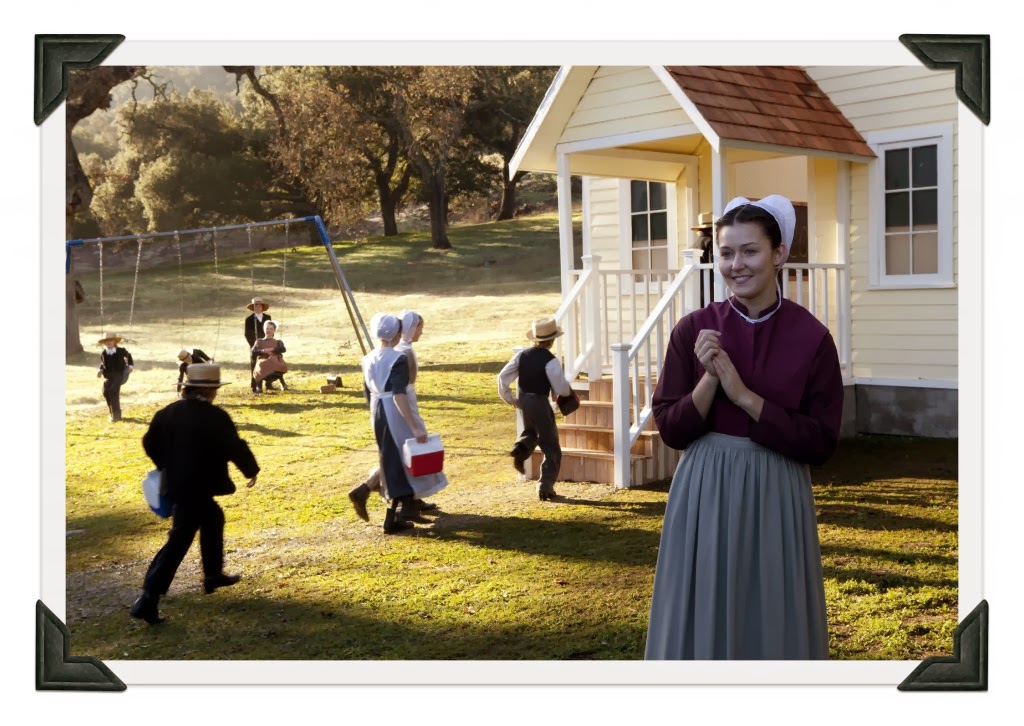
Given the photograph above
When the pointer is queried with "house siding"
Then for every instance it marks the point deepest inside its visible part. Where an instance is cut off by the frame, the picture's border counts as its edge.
(896, 334)
(622, 99)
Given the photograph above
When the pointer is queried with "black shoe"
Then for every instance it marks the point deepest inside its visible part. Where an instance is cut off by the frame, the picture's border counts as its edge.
(393, 524)
(212, 583)
(547, 495)
(425, 506)
(256, 391)
(358, 497)
(519, 457)
(145, 608)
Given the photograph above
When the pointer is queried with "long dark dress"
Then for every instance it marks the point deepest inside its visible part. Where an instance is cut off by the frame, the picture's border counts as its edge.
(739, 568)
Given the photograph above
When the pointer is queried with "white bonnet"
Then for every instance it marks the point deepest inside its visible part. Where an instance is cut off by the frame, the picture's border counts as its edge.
(384, 326)
(410, 320)
(780, 208)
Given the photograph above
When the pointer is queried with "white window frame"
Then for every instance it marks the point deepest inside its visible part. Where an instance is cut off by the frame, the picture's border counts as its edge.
(880, 141)
(626, 225)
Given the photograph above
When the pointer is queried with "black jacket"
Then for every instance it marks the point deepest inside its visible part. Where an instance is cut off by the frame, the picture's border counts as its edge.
(198, 356)
(193, 441)
(254, 328)
(113, 366)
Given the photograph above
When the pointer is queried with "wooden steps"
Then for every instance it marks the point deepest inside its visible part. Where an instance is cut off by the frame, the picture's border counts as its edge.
(587, 441)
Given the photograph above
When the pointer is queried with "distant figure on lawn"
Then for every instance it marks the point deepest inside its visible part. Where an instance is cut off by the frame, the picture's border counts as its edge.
(752, 390)
(412, 328)
(187, 358)
(254, 323)
(539, 374)
(270, 364)
(115, 365)
(192, 441)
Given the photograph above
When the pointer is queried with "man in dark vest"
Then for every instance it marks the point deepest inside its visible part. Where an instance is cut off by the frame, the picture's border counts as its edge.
(539, 373)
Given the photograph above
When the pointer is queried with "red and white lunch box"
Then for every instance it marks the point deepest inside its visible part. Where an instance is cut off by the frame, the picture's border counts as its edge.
(422, 459)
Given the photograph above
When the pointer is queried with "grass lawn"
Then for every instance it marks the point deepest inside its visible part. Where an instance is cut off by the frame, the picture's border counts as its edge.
(499, 575)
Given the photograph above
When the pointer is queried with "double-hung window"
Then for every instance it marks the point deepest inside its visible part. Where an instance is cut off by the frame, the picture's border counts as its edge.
(911, 207)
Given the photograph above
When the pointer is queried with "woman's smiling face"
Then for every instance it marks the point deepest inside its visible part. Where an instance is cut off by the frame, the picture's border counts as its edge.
(748, 263)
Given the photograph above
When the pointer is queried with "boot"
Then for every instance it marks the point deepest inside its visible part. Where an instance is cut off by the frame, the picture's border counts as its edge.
(425, 506)
(519, 456)
(358, 497)
(393, 524)
(145, 608)
(410, 512)
(212, 583)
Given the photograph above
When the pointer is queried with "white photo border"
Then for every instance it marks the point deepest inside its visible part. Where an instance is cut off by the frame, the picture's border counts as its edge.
(190, 53)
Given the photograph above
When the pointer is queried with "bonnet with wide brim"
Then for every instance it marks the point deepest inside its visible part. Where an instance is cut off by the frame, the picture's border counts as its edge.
(203, 375)
(781, 209)
(250, 307)
(109, 336)
(543, 329)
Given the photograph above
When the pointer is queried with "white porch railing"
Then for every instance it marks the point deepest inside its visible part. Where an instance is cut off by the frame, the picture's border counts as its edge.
(578, 315)
(821, 288)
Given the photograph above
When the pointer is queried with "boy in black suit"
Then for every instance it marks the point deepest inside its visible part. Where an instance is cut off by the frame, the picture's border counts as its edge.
(115, 365)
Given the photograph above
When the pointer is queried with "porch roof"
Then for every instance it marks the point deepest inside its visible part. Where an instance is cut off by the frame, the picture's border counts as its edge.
(772, 108)
(773, 105)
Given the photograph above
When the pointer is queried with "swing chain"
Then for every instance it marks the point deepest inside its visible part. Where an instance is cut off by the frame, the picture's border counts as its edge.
(135, 285)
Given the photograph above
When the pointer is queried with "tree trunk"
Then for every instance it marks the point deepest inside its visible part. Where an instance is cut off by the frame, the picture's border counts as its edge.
(437, 204)
(388, 214)
(507, 209)
(72, 343)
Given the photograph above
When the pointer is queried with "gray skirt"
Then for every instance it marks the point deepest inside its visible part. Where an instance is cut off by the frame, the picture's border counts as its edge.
(739, 568)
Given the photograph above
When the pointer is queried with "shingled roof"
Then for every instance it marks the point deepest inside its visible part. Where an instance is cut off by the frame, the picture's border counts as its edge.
(776, 105)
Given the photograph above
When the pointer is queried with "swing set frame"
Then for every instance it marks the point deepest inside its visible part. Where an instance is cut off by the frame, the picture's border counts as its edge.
(358, 325)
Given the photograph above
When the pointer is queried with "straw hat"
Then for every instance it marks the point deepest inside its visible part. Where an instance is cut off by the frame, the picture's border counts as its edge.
(704, 220)
(255, 301)
(543, 329)
(183, 354)
(109, 336)
(204, 375)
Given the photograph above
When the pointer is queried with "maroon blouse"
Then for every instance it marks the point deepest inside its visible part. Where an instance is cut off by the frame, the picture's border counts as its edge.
(789, 360)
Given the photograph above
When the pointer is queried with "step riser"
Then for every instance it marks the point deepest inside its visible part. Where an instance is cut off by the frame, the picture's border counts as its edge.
(599, 441)
(603, 391)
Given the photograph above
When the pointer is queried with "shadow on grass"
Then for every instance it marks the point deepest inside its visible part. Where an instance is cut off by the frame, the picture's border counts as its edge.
(851, 515)
(573, 540)
(864, 459)
(239, 625)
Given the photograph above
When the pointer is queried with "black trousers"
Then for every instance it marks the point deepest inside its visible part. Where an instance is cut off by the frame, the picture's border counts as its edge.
(204, 516)
(253, 357)
(539, 429)
(112, 395)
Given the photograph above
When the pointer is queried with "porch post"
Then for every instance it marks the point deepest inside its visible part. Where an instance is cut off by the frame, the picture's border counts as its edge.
(593, 315)
(843, 314)
(719, 198)
(565, 247)
(620, 413)
(691, 293)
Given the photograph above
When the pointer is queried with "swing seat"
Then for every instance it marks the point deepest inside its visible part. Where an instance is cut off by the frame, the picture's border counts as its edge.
(334, 381)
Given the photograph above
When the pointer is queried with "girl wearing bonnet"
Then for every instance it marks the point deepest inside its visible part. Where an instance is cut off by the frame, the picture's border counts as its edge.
(752, 390)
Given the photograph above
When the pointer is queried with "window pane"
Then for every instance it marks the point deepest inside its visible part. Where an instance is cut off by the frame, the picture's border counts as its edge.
(658, 195)
(897, 169)
(925, 166)
(926, 208)
(897, 212)
(641, 260)
(926, 253)
(638, 193)
(897, 255)
(659, 226)
(659, 258)
(640, 228)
